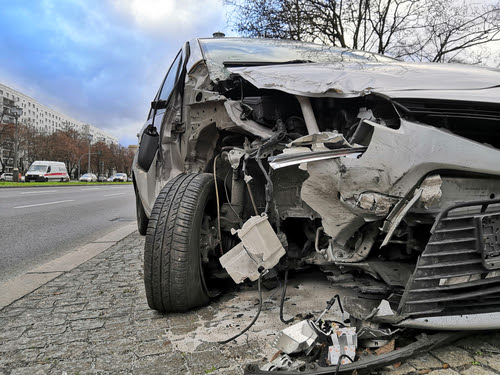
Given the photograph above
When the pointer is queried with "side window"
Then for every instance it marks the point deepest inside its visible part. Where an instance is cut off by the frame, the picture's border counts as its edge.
(171, 78)
(169, 81)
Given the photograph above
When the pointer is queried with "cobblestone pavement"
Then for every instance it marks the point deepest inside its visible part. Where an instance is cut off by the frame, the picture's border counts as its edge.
(95, 320)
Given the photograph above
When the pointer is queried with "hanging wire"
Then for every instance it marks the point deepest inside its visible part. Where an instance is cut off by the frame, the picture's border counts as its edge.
(219, 234)
(256, 316)
(282, 302)
(340, 359)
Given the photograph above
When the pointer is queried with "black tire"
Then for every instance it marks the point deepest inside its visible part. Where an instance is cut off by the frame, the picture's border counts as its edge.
(142, 219)
(173, 273)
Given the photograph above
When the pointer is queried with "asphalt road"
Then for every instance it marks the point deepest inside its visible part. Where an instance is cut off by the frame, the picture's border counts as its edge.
(41, 224)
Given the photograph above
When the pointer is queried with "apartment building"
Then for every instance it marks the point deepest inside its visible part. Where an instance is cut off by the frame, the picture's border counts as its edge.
(44, 119)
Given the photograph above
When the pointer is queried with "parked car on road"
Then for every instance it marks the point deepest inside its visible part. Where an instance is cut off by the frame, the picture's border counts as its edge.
(6, 176)
(384, 173)
(119, 177)
(88, 177)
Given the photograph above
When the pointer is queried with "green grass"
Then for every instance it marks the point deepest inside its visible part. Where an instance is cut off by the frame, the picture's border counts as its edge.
(54, 183)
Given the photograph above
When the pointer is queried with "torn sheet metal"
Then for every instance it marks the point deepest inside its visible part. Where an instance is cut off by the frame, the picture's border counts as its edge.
(285, 160)
(351, 79)
(333, 139)
(399, 212)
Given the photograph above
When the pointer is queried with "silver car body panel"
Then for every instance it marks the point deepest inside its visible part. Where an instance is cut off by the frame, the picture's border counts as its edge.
(455, 322)
(356, 79)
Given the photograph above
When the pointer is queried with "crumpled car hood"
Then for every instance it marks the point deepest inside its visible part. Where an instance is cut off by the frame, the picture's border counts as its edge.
(357, 79)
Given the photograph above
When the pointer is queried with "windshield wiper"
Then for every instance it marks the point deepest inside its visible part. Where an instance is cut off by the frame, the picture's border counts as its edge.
(259, 63)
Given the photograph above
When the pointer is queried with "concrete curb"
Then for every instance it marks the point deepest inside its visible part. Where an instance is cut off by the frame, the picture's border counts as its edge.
(20, 286)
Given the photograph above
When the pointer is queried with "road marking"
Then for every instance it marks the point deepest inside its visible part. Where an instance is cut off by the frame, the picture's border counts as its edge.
(110, 195)
(40, 191)
(44, 204)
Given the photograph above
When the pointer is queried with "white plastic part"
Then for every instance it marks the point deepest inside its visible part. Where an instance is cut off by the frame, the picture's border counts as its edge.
(260, 247)
(344, 341)
(297, 338)
(239, 264)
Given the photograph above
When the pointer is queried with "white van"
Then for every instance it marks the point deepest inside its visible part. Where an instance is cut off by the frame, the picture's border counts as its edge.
(47, 171)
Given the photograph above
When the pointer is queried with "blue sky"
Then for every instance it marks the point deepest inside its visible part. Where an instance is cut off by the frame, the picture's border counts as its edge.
(99, 61)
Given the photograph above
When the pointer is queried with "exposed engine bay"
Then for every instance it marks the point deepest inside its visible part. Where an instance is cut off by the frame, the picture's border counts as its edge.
(384, 175)
(358, 186)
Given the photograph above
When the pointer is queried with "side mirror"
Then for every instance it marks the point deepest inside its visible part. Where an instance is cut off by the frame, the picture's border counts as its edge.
(49, 169)
(148, 147)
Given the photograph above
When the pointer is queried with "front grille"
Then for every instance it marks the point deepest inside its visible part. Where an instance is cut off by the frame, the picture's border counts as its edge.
(459, 270)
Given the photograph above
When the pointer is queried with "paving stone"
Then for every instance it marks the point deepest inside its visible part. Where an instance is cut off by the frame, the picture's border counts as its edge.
(39, 330)
(87, 324)
(400, 369)
(79, 366)
(67, 337)
(453, 356)
(69, 308)
(425, 361)
(492, 362)
(124, 346)
(153, 348)
(200, 362)
(172, 364)
(15, 357)
(32, 370)
(84, 314)
(444, 372)
(493, 339)
(477, 370)
(12, 333)
(115, 363)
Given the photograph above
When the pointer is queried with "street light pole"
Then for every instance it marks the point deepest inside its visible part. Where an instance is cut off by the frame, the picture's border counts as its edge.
(16, 112)
(89, 137)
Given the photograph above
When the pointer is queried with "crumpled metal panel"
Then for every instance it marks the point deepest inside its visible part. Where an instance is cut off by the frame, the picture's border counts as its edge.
(346, 79)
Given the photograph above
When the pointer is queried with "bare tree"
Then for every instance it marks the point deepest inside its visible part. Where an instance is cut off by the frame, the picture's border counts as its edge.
(412, 29)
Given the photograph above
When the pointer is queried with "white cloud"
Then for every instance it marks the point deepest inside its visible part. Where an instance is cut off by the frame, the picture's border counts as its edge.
(173, 16)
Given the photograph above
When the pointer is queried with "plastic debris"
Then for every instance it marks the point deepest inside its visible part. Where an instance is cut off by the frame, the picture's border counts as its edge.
(283, 362)
(345, 342)
(297, 338)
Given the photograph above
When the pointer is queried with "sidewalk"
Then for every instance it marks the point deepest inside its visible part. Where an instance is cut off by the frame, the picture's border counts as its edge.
(94, 319)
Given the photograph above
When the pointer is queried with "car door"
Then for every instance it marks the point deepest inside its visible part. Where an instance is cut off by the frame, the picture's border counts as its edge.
(159, 134)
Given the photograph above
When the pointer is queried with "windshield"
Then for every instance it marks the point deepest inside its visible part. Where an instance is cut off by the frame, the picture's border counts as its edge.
(232, 51)
(37, 168)
(85, 175)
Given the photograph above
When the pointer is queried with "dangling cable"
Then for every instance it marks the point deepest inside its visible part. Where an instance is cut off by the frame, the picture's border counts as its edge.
(340, 359)
(256, 316)
(218, 208)
(283, 294)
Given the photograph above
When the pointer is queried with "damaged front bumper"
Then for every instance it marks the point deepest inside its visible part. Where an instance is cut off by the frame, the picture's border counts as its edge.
(456, 282)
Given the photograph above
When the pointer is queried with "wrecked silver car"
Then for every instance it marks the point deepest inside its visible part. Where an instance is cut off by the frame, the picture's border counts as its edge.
(260, 156)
